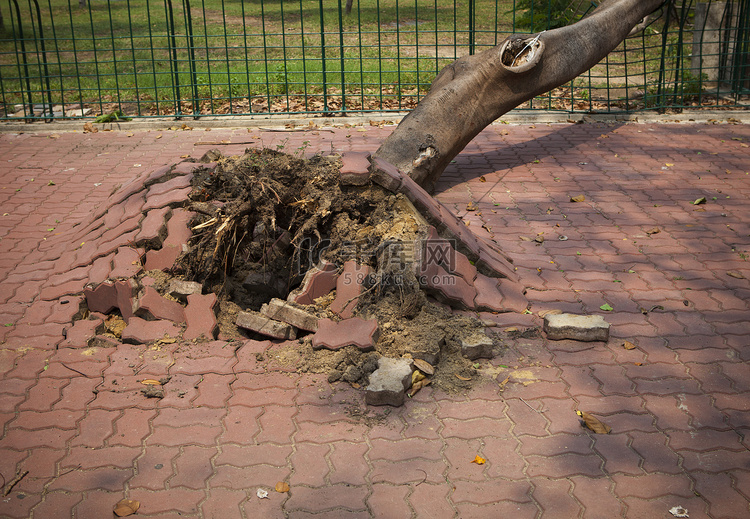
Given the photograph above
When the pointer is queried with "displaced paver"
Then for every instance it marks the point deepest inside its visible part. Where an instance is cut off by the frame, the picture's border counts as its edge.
(388, 383)
(671, 381)
(576, 327)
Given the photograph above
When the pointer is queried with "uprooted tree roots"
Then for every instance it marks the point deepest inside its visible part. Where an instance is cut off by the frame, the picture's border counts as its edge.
(265, 218)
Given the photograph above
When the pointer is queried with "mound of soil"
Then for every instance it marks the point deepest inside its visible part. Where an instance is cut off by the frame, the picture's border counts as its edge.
(266, 217)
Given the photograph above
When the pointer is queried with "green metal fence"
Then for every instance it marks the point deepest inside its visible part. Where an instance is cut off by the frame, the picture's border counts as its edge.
(191, 58)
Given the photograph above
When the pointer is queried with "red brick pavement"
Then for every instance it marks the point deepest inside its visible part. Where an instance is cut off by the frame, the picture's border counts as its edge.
(235, 421)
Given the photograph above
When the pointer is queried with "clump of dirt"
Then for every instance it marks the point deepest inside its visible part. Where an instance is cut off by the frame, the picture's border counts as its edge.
(266, 217)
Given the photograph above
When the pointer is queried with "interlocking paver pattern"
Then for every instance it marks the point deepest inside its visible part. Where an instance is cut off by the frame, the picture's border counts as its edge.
(234, 419)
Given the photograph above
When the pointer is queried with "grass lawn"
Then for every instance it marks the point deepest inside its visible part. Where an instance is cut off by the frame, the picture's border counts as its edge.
(218, 56)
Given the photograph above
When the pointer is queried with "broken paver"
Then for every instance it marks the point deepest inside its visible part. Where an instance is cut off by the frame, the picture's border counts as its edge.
(350, 332)
(82, 331)
(140, 331)
(477, 347)
(576, 327)
(318, 281)
(102, 298)
(388, 383)
(286, 312)
(349, 288)
(263, 325)
(181, 289)
(152, 306)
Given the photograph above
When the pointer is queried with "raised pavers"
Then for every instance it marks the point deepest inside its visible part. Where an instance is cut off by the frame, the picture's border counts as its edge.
(675, 402)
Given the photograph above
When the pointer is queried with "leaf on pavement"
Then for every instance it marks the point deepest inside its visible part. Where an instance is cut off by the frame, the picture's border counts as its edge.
(282, 487)
(126, 507)
(655, 230)
(472, 206)
(579, 198)
(479, 460)
(593, 423)
(699, 201)
(424, 366)
(150, 382)
(628, 345)
(734, 274)
(606, 307)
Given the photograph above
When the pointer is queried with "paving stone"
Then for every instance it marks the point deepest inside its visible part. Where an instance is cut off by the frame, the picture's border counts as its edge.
(350, 332)
(176, 183)
(349, 287)
(102, 298)
(385, 174)
(577, 327)
(152, 306)
(153, 228)
(140, 331)
(200, 316)
(286, 312)
(448, 288)
(477, 347)
(178, 196)
(181, 289)
(126, 291)
(126, 263)
(355, 168)
(388, 383)
(82, 331)
(318, 281)
(263, 325)
(164, 258)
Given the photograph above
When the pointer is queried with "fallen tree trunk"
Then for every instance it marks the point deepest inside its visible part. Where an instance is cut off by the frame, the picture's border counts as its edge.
(473, 91)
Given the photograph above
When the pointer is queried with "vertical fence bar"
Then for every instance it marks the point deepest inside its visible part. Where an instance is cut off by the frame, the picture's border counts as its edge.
(153, 57)
(188, 15)
(25, 62)
(472, 28)
(114, 55)
(323, 58)
(173, 63)
(341, 60)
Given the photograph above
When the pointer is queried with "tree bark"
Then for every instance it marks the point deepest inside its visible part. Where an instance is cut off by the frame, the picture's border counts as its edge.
(473, 91)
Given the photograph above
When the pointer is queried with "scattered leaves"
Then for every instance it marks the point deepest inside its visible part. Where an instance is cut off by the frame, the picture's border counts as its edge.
(579, 198)
(126, 507)
(472, 206)
(479, 460)
(628, 345)
(699, 201)
(593, 423)
(282, 486)
(606, 307)
(734, 274)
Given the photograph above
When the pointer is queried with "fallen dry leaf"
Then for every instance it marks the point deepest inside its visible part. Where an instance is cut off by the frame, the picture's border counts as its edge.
(126, 507)
(419, 385)
(579, 198)
(655, 230)
(593, 423)
(525, 238)
(734, 274)
(472, 206)
(424, 366)
(89, 128)
(628, 345)
(701, 200)
(479, 460)
(281, 487)
(459, 377)
(504, 383)
(417, 376)
(150, 382)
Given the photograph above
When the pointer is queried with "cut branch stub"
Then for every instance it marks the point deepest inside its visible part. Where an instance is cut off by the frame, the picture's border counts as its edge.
(521, 55)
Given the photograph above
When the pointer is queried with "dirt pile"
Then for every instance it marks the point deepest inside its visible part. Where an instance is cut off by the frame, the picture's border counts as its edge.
(265, 218)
